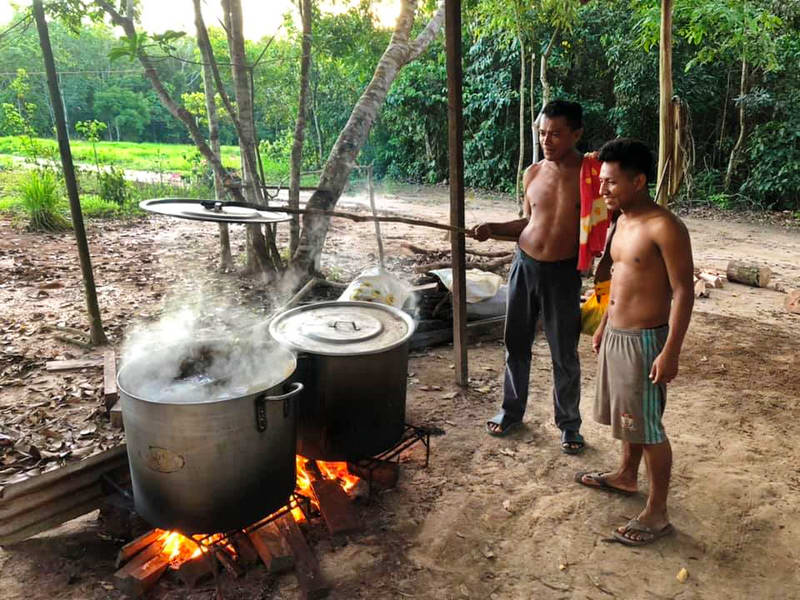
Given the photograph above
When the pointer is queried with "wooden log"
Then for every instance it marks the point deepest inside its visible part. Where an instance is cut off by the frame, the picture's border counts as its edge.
(115, 415)
(229, 563)
(711, 279)
(336, 509)
(748, 273)
(414, 249)
(244, 549)
(381, 474)
(312, 584)
(700, 290)
(198, 569)
(491, 265)
(142, 572)
(110, 394)
(132, 548)
(68, 365)
(792, 302)
(272, 549)
(482, 329)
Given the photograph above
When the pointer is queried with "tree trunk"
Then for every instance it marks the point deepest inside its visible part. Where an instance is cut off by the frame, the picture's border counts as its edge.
(545, 92)
(317, 128)
(341, 160)
(96, 333)
(259, 248)
(226, 258)
(749, 273)
(532, 108)
(665, 98)
(299, 129)
(177, 111)
(733, 159)
(523, 67)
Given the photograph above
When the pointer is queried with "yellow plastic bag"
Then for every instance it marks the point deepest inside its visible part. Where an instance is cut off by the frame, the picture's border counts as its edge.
(594, 308)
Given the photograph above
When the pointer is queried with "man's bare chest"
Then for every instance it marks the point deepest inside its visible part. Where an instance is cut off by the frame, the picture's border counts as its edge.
(555, 194)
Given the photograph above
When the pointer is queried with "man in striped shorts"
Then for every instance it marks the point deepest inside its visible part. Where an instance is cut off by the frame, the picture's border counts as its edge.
(640, 337)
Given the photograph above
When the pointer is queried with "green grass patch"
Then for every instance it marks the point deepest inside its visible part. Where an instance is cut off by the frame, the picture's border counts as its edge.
(142, 156)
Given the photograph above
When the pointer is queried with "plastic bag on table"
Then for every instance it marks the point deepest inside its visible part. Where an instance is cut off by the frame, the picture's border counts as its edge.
(374, 285)
(481, 285)
(594, 308)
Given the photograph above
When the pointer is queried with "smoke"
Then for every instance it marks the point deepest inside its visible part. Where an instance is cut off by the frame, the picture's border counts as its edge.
(208, 345)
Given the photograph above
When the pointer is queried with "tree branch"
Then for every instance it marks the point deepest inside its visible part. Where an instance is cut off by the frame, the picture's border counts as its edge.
(427, 35)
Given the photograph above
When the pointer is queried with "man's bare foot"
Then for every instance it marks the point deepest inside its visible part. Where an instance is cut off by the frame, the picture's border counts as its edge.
(611, 482)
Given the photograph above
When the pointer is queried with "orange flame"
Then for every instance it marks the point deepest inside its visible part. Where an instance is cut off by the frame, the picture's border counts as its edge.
(179, 548)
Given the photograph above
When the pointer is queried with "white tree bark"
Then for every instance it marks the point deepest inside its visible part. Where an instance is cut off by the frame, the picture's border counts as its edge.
(400, 51)
(226, 258)
(300, 125)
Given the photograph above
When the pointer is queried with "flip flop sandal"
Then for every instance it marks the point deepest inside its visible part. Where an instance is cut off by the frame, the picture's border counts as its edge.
(571, 437)
(600, 482)
(636, 527)
(507, 425)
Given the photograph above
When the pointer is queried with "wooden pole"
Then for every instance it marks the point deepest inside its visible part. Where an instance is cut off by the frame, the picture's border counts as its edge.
(452, 24)
(665, 110)
(96, 333)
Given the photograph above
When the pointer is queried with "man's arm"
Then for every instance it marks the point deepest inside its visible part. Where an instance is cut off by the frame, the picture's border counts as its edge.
(510, 230)
(672, 239)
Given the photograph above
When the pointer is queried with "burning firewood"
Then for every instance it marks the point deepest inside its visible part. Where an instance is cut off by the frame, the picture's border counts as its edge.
(306, 565)
(272, 549)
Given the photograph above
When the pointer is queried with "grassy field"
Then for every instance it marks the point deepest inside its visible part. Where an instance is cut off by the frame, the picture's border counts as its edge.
(171, 158)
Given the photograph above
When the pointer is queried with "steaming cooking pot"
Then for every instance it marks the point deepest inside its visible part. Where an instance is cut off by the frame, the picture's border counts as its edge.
(353, 362)
(210, 432)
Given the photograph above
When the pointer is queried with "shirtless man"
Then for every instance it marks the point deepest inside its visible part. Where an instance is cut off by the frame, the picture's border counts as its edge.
(640, 337)
(544, 279)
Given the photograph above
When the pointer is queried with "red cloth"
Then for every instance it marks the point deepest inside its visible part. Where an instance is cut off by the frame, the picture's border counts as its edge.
(594, 214)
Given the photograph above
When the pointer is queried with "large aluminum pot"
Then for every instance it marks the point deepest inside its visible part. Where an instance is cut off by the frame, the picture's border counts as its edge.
(353, 362)
(210, 431)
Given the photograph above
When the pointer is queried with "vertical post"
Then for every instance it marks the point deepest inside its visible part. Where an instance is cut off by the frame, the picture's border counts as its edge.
(378, 236)
(665, 99)
(97, 335)
(452, 24)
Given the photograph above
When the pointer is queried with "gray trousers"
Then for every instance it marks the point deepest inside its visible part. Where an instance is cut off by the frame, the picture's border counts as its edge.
(550, 290)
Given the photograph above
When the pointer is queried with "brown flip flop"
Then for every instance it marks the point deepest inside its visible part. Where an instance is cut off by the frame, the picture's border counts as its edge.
(599, 482)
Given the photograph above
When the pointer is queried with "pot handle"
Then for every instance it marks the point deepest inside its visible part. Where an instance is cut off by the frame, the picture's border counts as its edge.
(261, 404)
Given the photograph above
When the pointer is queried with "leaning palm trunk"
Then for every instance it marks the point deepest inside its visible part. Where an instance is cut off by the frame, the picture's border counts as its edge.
(400, 51)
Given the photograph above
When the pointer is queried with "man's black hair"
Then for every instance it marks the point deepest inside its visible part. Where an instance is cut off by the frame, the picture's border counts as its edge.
(632, 155)
(571, 111)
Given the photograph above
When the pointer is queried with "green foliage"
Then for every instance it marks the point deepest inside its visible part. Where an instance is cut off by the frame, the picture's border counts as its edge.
(40, 198)
(113, 187)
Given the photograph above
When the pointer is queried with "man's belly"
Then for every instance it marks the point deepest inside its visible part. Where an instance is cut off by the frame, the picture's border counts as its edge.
(640, 309)
(548, 243)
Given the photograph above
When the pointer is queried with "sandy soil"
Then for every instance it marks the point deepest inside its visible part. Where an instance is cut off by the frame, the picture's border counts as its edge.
(489, 518)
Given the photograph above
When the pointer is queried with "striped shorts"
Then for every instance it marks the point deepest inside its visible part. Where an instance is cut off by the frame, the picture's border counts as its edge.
(626, 399)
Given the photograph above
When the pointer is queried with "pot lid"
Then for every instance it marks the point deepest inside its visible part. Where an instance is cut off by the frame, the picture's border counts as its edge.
(342, 328)
(210, 210)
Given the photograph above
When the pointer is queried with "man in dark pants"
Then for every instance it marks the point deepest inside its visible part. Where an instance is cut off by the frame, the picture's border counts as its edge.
(544, 280)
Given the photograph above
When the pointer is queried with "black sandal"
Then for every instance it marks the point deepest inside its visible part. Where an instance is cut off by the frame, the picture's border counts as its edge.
(570, 438)
(505, 423)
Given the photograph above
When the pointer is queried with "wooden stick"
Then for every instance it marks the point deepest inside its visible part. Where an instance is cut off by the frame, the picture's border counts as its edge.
(339, 214)
(132, 548)
(110, 394)
(67, 365)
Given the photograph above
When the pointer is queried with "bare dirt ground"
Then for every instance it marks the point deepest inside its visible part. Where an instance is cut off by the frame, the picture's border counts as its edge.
(490, 518)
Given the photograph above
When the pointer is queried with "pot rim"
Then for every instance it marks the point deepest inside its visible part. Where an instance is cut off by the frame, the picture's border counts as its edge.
(291, 355)
(401, 314)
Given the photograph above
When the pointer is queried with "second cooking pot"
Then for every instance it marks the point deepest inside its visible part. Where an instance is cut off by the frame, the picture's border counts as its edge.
(353, 362)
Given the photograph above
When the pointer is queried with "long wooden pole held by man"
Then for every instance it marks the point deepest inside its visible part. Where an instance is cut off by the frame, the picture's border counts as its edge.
(97, 335)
